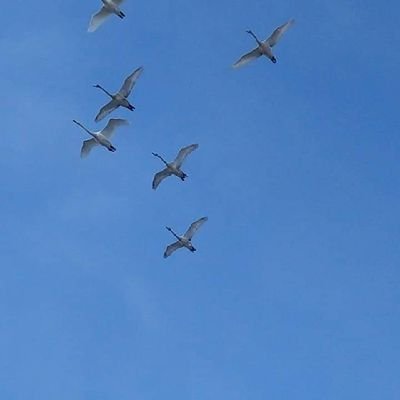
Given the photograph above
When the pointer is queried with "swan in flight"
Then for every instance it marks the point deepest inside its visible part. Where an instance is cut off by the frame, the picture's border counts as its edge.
(101, 137)
(173, 168)
(109, 7)
(264, 48)
(186, 239)
(121, 97)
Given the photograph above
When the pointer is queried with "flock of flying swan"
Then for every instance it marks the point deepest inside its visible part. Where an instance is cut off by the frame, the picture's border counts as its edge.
(120, 99)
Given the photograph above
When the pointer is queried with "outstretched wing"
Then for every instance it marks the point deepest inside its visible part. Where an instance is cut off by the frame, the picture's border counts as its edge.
(194, 227)
(87, 146)
(183, 153)
(130, 82)
(278, 33)
(252, 55)
(98, 18)
(160, 176)
(107, 109)
(117, 2)
(171, 248)
(112, 125)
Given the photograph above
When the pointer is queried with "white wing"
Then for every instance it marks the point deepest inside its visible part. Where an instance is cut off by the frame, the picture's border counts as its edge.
(194, 227)
(98, 18)
(278, 33)
(118, 2)
(112, 125)
(109, 107)
(87, 146)
(252, 55)
(160, 176)
(130, 82)
(171, 248)
(183, 153)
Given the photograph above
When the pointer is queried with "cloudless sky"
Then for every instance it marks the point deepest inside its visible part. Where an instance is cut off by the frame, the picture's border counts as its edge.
(294, 290)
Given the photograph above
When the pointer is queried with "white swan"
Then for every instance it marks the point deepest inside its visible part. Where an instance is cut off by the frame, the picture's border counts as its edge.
(186, 239)
(109, 7)
(121, 97)
(173, 168)
(264, 48)
(101, 137)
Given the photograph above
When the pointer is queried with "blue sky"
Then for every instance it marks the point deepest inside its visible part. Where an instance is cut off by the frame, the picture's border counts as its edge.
(294, 290)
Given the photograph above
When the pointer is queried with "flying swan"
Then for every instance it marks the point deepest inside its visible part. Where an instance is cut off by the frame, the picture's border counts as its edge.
(264, 48)
(109, 7)
(186, 239)
(121, 97)
(101, 137)
(173, 168)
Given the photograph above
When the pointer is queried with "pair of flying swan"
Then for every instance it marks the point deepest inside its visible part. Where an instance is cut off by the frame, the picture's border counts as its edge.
(119, 99)
(264, 48)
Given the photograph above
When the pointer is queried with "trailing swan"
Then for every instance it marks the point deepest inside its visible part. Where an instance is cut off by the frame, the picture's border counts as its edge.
(173, 168)
(101, 137)
(121, 97)
(186, 239)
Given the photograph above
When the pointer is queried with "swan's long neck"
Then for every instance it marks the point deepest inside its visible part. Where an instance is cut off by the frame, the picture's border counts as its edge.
(250, 32)
(169, 229)
(84, 128)
(104, 90)
(157, 155)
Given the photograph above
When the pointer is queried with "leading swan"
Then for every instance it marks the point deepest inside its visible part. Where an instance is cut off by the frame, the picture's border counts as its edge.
(264, 48)
(109, 7)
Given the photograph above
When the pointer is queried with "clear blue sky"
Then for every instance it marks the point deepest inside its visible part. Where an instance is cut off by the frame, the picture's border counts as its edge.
(294, 290)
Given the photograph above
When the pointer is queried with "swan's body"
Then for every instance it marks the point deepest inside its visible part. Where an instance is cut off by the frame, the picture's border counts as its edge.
(120, 99)
(101, 137)
(173, 168)
(264, 48)
(186, 239)
(109, 7)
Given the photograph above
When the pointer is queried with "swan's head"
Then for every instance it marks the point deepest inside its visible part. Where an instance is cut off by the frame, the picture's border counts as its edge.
(96, 86)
